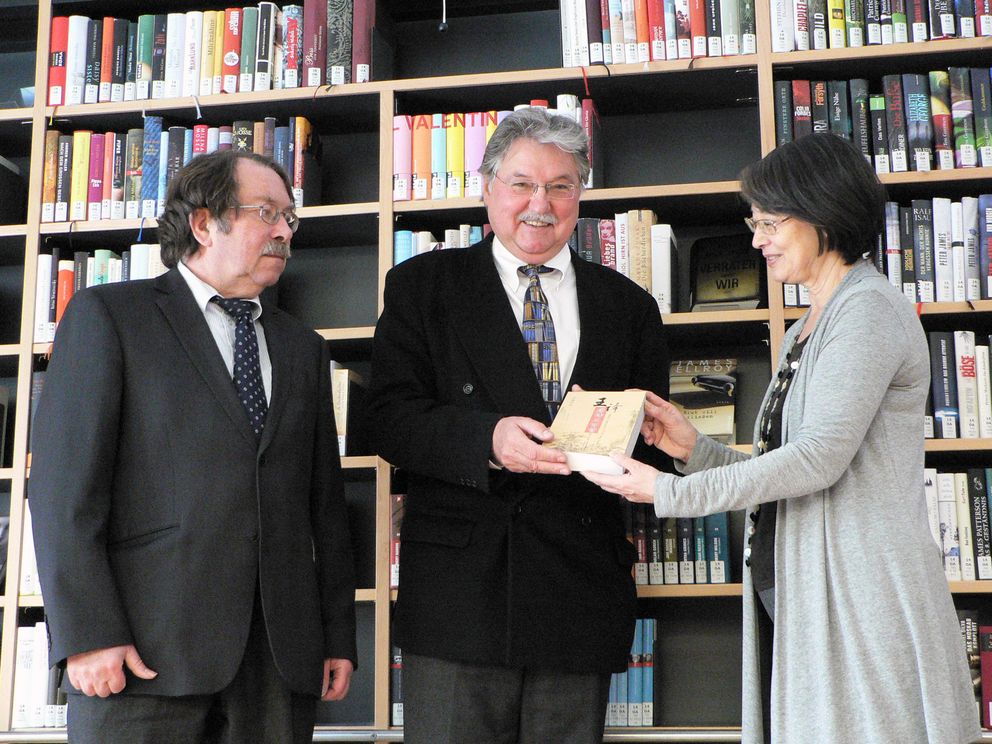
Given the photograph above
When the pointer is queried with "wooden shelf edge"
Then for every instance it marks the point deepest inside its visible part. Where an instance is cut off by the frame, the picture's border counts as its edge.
(13, 231)
(359, 462)
(970, 587)
(30, 600)
(6, 473)
(941, 46)
(365, 595)
(347, 334)
(957, 445)
(10, 349)
(716, 316)
(937, 176)
(651, 591)
(17, 114)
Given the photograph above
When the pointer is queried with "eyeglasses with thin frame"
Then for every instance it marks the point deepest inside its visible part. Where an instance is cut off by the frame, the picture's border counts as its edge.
(270, 215)
(557, 191)
(764, 226)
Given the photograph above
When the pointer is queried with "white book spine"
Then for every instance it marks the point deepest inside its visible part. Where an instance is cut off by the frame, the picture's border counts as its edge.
(23, 665)
(174, 46)
(959, 260)
(730, 26)
(43, 331)
(969, 226)
(800, 24)
(966, 540)
(982, 373)
(580, 47)
(623, 244)
(192, 47)
(783, 31)
(943, 269)
(75, 60)
(930, 494)
(661, 266)
(567, 10)
(964, 353)
(947, 511)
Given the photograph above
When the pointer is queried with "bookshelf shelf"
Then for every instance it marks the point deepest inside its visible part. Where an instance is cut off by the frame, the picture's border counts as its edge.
(360, 462)
(10, 349)
(6, 473)
(970, 587)
(9, 231)
(894, 51)
(655, 591)
(958, 445)
(347, 334)
(31, 600)
(952, 175)
(717, 316)
(20, 115)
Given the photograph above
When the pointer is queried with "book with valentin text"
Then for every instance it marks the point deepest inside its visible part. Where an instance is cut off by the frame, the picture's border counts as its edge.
(592, 424)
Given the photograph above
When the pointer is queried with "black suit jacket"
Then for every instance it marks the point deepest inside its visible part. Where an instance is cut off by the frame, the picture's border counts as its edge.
(496, 567)
(155, 512)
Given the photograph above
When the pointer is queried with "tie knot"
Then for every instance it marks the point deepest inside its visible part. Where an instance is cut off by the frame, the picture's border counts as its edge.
(234, 307)
(531, 271)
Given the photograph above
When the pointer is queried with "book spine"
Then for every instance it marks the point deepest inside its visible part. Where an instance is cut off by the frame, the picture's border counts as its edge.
(50, 175)
(819, 109)
(106, 59)
(94, 195)
(895, 123)
(454, 125)
(783, 112)
(94, 57)
(944, 383)
(175, 44)
(942, 256)
(981, 106)
(840, 113)
(959, 257)
(475, 147)
(150, 156)
(292, 44)
(361, 41)
(947, 513)
(210, 51)
(919, 131)
(263, 46)
(118, 58)
(79, 187)
(836, 25)
(967, 384)
(191, 52)
(232, 50)
(144, 47)
(940, 114)
(802, 116)
(57, 50)
(249, 38)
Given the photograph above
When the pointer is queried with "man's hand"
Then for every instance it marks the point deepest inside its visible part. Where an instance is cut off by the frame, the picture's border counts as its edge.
(337, 679)
(101, 672)
(515, 449)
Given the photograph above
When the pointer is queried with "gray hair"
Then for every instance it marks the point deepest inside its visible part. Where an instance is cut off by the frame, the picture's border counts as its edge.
(537, 124)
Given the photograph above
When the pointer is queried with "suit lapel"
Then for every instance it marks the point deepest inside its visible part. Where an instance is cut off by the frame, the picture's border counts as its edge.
(281, 359)
(190, 328)
(597, 322)
(491, 337)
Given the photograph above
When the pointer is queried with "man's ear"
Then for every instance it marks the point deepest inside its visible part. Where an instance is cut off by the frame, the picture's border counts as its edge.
(199, 223)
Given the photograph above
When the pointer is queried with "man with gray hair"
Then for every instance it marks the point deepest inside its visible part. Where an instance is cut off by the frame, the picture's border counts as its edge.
(516, 600)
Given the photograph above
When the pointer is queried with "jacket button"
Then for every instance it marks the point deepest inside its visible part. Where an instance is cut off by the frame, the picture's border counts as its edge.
(585, 521)
(261, 461)
(518, 510)
(468, 388)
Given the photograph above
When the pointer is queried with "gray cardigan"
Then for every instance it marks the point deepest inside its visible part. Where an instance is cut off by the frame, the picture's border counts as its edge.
(867, 647)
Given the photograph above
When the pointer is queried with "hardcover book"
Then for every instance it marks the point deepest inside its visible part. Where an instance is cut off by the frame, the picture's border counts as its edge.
(592, 424)
(703, 389)
(725, 274)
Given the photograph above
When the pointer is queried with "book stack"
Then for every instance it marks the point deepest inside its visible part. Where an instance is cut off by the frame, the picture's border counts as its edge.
(911, 122)
(208, 52)
(438, 156)
(678, 550)
(631, 701)
(958, 513)
(960, 386)
(59, 278)
(822, 24)
(116, 175)
(629, 31)
(408, 243)
(37, 700)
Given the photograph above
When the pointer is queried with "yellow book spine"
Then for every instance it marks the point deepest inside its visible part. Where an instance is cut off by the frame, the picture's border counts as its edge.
(454, 125)
(836, 25)
(208, 53)
(79, 186)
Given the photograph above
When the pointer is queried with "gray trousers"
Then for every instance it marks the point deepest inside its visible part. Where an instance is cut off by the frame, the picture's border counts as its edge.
(449, 702)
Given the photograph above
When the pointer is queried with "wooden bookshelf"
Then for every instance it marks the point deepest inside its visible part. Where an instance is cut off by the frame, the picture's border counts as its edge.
(679, 132)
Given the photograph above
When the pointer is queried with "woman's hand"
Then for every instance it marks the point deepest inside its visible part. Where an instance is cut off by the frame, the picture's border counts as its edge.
(636, 484)
(667, 428)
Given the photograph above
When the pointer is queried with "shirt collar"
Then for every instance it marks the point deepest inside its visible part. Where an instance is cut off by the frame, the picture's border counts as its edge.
(507, 264)
(203, 293)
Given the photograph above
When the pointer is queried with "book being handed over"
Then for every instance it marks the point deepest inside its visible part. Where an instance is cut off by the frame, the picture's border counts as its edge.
(592, 424)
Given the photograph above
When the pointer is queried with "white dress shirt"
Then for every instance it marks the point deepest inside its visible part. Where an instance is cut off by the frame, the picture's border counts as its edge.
(559, 288)
(222, 326)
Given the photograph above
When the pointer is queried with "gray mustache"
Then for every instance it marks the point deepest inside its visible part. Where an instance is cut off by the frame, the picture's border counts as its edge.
(280, 250)
(548, 219)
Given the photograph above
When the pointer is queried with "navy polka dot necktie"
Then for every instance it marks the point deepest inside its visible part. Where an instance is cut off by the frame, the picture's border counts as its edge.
(539, 333)
(247, 368)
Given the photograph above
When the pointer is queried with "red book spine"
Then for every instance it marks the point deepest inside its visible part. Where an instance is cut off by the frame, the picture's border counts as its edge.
(232, 50)
(106, 59)
(94, 194)
(64, 288)
(608, 243)
(985, 656)
(361, 42)
(802, 114)
(56, 60)
(108, 174)
(315, 42)
(697, 27)
(200, 138)
(656, 29)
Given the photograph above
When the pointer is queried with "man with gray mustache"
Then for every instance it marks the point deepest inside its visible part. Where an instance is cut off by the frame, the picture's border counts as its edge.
(516, 600)
(188, 502)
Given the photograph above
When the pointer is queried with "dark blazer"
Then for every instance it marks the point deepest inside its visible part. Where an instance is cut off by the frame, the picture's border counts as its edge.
(155, 513)
(496, 567)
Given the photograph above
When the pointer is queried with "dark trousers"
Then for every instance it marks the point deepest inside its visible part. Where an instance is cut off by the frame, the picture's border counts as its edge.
(256, 707)
(449, 702)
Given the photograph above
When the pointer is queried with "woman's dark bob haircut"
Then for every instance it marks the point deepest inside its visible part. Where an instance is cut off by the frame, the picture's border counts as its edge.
(825, 181)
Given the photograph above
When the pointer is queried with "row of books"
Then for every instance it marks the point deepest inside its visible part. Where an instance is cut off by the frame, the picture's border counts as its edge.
(207, 52)
(37, 700)
(114, 175)
(348, 391)
(437, 156)
(408, 243)
(961, 386)
(799, 25)
(631, 701)
(938, 250)
(917, 122)
(678, 551)
(958, 511)
(59, 278)
(628, 31)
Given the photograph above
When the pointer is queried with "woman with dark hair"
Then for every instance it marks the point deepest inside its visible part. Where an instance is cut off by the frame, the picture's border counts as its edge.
(850, 633)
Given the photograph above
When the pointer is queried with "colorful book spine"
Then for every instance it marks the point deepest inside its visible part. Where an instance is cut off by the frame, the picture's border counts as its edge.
(58, 48)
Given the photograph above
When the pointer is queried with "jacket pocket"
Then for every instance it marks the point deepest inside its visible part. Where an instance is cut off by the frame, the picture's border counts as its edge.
(144, 538)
